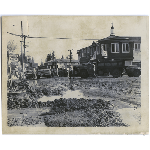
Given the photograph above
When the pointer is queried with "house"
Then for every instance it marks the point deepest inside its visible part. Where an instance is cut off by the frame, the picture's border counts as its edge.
(65, 63)
(112, 48)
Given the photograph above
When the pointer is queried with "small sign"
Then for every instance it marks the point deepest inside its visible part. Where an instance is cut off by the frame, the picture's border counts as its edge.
(14, 57)
(14, 63)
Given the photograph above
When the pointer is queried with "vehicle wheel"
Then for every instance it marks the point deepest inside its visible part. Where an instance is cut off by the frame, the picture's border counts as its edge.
(84, 74)
(116, 73)
(136, 73)
(35, 77)
(52, 75)
(38, 77)
(130, 75)
(106, 74)
(49, 76)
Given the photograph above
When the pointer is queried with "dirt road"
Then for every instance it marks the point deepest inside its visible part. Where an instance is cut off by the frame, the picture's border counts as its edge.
(123, 93)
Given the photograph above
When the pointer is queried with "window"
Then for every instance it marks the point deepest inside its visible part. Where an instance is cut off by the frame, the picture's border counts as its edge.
(91, 51)
(114, 64)
(98, 49)
(107, 64)
(83, 52)
(103, 47)
(80, 54)
(137, 46)
(88, 50)
(120, 63)
(100, 64)
(115, 47)
(125, 48)
(104, 50)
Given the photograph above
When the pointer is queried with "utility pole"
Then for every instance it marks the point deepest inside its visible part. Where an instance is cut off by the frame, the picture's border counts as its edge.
(23, 40)
(70, 63)
(22, 58)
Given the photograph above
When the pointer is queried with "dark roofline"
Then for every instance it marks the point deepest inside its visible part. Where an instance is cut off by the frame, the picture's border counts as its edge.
(109, 38)
(66, 61)
(120, 38)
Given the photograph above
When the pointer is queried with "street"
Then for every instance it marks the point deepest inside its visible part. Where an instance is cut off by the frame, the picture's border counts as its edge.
(122, 95)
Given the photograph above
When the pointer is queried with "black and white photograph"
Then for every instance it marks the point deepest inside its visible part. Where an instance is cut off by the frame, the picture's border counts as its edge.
(83, 72)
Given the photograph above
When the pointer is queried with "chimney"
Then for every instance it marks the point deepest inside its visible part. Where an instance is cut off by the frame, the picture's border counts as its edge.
(112, 31)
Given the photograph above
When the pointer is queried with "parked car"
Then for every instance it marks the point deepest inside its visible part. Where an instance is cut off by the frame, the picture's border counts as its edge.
(30, 74)
(43, 73)
(62, 72)
(133, 71)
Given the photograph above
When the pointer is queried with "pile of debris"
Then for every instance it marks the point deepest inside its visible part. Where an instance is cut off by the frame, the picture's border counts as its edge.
(81, 112)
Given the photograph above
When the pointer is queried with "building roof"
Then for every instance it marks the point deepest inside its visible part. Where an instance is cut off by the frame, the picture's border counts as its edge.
(115, 39)
(66, 61)
(121, 38)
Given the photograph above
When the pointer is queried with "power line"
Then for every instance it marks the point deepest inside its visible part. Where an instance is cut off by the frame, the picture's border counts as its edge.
(23, 36)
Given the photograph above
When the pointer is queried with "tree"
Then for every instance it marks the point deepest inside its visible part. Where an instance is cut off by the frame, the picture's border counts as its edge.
(49, 57)
(53, 55)
(10, 48)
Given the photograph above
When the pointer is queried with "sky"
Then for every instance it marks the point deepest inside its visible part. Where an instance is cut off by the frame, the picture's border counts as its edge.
(75, 28)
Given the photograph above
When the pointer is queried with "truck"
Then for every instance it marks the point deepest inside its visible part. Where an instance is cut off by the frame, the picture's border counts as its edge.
(116, 68)
(133, 71)
(30, 74)
(84, 70)
(44, 73)
(62, 72)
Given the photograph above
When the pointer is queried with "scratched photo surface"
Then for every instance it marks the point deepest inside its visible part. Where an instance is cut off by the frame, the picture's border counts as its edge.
(82, 72)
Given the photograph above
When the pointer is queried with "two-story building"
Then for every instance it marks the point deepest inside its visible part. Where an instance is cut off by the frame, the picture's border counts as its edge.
(113, 47)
